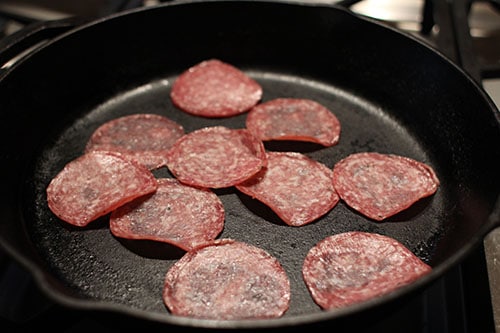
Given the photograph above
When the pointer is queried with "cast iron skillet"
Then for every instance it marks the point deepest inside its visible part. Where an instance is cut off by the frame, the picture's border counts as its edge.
(391, 93)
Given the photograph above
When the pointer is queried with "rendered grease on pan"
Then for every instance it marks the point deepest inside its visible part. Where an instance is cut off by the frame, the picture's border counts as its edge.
(373, 172)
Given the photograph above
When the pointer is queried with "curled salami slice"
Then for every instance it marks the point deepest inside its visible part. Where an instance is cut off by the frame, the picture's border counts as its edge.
(294, 119)
(178, 214)
(227, 280)
(353, 267)
(381, 185)
(95, 184)
(215, 89)
(144, 137)
(216, 157)
(298, 189)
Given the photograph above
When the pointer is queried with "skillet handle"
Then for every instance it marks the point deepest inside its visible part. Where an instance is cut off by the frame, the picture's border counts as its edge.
(19, 44)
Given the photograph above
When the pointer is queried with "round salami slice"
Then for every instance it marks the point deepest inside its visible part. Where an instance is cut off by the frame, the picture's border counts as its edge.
(227, 280)
(298, 189)
(381, 185)
(216, 157)
(353, 267)
(294, 119)
(178, 214)
(144, 137)
(215, 89)
(95, 184)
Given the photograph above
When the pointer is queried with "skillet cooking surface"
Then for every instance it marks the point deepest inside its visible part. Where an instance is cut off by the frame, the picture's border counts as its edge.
(101, 266)
(386, 99)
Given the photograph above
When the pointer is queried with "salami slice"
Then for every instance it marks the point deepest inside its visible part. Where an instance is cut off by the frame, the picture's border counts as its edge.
(144, 137)
(215, 89)
(354, 267)
(228, 280)
(298, 189)
(181, 215)
(216, 157)
(381, 185)
(95, 184)
(294, 119)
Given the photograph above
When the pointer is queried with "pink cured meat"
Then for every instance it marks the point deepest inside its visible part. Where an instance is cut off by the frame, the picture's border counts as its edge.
(294, 119)
(215, 89)
(95, 184)
(216, 157)
(228, 280)
(144, 137)
(354, 267)
(298, 189)
(381, 185)
(178, 214)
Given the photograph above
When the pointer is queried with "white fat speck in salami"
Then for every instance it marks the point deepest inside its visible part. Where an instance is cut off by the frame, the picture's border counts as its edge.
(215, 89)
(216, 157)
(95, 184)
(228, 280)
(381, 185)
(353, 267)
(144, 137)
(178, 214)
(294, 119)
(298, 189)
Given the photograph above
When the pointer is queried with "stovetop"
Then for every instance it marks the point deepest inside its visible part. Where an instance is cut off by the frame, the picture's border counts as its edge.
(465, 299)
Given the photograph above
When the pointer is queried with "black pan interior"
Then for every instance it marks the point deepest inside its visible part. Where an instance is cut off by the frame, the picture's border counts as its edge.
(390, 93)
